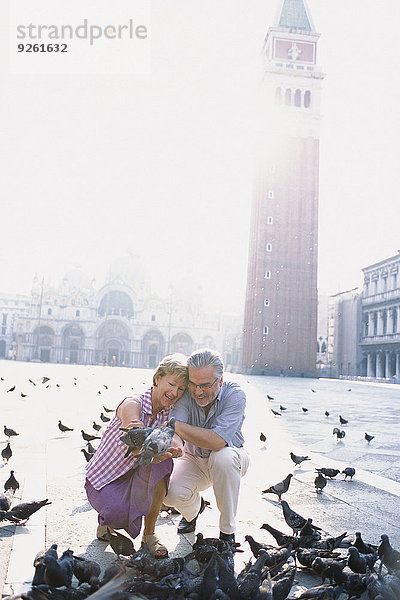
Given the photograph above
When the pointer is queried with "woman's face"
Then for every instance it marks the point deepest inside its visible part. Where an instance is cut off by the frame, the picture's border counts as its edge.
(168, 390)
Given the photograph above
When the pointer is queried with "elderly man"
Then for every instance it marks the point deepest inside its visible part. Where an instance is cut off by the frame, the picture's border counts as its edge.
(209, 420)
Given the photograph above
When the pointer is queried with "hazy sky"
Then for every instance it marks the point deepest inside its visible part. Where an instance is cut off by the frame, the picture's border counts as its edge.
(161, 164)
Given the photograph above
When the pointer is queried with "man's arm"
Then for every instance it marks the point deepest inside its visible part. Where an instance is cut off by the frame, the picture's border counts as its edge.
(203, 438)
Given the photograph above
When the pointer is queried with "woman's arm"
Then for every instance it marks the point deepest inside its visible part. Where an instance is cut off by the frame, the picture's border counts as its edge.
(129, 413)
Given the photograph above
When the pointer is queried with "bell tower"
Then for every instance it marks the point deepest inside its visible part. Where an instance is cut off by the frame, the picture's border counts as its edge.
(280, 323)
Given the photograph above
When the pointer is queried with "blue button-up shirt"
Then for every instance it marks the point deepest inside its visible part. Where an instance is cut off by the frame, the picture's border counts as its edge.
(225, 416)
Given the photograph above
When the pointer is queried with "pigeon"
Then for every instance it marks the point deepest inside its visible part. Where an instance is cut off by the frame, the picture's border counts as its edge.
(283, 539)
(310, 529)
(87, 455)
(22, 512)
(275, 412)
(90, 448)
(40, 567)
(304, 409)
(108, 410)
(313, 390)
(251, 579)
(135, 437)
(282, 407)
(295, 521)
(32, 382)
(270, 397)
(104, 418)
(11, 389)
(262, 437)
(298, 459)
(279, 488)
(282, 587)
(388, 555)
(85, 570)
(362, 546)
(328, 472)
(339, 434)
(63, 428)
(11, 483)
(4, 502)
(23, 395)
(342, 420)
(89, 438)
(6, 453)
(319, 482)
(45, 379)
(96, 426)
(359, 563)
(349, 472)
(10, 432)
(368, 437)
(327, 413)
(121, 544)
(59, 572)
(156, 443)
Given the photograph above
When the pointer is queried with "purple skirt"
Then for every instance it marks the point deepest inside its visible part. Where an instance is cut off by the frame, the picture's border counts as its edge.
(122, 503)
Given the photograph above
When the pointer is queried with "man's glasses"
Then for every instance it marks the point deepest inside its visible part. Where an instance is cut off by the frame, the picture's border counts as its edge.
(202, 386)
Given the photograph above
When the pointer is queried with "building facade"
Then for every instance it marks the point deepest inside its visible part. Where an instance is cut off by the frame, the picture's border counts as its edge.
(121, 323)
(280, 323)
(380, 319)
(344, 355)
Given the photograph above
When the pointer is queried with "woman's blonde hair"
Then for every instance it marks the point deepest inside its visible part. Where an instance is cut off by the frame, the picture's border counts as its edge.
(173, 364)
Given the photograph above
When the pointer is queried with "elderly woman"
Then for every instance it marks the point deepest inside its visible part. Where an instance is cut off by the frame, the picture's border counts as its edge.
(121, 493)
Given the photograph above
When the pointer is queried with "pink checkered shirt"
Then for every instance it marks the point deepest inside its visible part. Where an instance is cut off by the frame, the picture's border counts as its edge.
(109, 463)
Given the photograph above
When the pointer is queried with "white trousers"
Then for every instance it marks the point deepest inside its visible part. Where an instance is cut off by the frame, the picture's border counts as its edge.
(222, 470)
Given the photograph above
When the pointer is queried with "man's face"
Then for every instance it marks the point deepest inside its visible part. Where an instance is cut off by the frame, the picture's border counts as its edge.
(204, 385)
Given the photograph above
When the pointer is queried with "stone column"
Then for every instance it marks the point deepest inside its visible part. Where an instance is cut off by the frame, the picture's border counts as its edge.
(387, 365)
(397, 365)
(369, 365)
(380, 322)
(370, 323)
(389, 321)
(377, 365)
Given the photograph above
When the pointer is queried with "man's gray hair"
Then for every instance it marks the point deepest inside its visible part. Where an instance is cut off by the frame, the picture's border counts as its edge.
(206, 358)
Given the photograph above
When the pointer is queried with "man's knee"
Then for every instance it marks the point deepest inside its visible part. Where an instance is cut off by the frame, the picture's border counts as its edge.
(178, 495)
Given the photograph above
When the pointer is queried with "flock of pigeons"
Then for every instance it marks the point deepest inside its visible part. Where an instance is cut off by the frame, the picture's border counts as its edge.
(342, 568)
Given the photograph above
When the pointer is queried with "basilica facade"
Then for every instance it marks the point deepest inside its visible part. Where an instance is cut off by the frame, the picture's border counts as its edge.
(120, 323)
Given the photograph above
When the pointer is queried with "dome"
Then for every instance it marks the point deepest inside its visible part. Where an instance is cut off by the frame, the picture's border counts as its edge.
(76, 280)
(128, 270)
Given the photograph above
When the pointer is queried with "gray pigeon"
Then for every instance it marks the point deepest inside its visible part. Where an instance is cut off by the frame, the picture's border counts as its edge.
(134, 438)
(295, 521)
(279, 488)
(298, 459)
(349, 472)
(156, 443)
(319, 482)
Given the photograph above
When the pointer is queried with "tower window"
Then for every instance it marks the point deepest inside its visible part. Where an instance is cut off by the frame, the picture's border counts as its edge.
(307, 99)
(270, 194)
(297, 98)
(268, 247)
(270, 220)
(288, 97)
(265, 330)
(267, 275)
(77, 313)
(49, 311)
(266, 301)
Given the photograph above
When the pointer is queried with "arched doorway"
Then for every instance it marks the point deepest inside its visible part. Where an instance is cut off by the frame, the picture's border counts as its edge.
(43, 343)
(113, 344)
(73, 342)
(181, 342)
(153, 345)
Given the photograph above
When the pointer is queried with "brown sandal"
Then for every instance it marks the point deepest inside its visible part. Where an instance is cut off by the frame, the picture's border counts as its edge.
(155, 546)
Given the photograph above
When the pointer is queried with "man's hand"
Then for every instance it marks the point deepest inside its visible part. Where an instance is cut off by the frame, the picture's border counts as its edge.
(173, 452)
